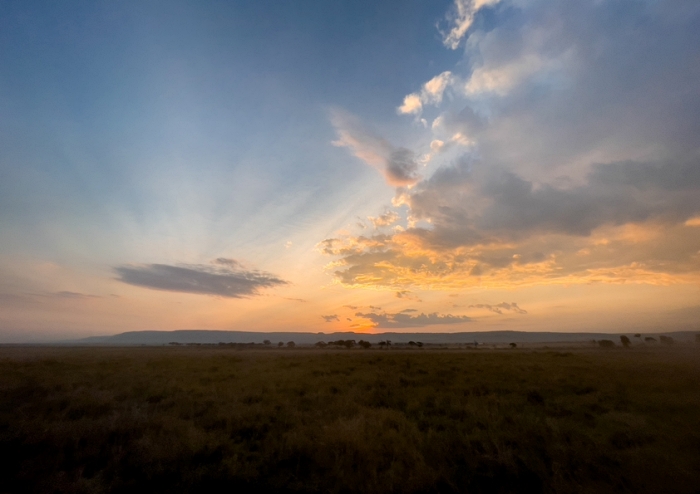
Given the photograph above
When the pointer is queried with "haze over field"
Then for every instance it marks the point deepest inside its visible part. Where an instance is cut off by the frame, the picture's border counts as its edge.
(425, 166)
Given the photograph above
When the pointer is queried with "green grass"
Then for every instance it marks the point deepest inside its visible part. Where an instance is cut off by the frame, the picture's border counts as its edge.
(209, 419)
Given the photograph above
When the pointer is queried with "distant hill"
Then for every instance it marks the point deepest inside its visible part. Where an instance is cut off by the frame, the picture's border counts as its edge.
(185, 336)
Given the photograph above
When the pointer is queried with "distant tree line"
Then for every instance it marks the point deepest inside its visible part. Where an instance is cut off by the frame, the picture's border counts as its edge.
(626, 342)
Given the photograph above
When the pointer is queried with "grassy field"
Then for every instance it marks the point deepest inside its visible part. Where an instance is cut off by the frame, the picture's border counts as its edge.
(209, 419)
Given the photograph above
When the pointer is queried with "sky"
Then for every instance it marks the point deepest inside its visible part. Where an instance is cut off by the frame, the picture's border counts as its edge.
(432, 166)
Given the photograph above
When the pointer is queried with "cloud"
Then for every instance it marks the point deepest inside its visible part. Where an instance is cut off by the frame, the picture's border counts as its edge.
(461, 19)
(431, 93)
(411, 104)
(398, 165)
(386, 219)
(71, 295)
(499, 308)
(403, 319)
(225, 278)
(331, 318)
(407, 295)
(582, 162)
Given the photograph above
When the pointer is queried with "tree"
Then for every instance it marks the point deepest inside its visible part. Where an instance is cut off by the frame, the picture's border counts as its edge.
(382, 344)
(267, 342)
(625, 341)
(666, 340)
(364, 344)
(420, 345)
(649, 339)
(606, 344)
(412, 343)
(280, 344)
(513, 345)
(321, 344)
(637, 335)
(291, 344)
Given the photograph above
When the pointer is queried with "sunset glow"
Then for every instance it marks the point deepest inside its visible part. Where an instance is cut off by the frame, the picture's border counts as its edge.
(444, 166)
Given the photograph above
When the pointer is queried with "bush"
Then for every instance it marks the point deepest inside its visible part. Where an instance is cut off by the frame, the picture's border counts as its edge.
(291, 344)
(625, 341)
(649, 339)
(606, 344)
(666, 340)
(513, 345)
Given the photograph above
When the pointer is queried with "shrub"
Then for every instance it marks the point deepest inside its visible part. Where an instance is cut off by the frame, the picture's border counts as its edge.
(513, 345)
(267, 342)
(649, 339)
(625, 341)
(291, 344)
(606, 344)
(666, 340)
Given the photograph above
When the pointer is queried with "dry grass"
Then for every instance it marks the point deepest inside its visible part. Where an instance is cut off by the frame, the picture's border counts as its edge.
(208, 419)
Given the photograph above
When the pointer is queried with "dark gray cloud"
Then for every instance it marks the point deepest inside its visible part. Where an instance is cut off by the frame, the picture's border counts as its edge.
(505, 206)
(225, 278)
(404, 319)
(331, 318)
(401, 167)
(499, 308)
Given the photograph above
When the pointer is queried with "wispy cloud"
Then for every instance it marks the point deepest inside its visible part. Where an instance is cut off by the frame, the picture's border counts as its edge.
(224, 277)
(461, 18)
(331, 318)
(386, 219)
(404, 319)
(431, 93)
(406, 294)
(398, 165)
(499, 308)
(71, 295)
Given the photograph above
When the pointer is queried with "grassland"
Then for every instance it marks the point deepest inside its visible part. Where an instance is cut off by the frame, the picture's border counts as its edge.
(210, 419)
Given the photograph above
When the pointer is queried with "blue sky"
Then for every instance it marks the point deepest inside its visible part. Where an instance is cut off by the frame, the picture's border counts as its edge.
(468, 155)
